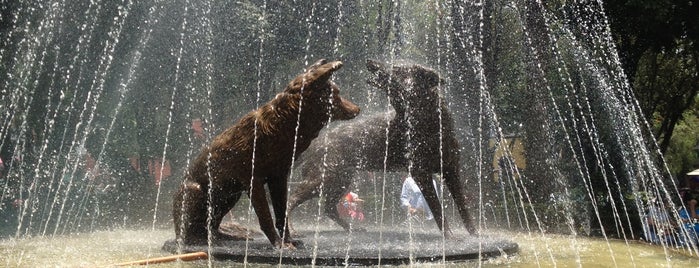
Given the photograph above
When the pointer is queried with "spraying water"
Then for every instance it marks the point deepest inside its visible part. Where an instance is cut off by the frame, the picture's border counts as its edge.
(88, 86)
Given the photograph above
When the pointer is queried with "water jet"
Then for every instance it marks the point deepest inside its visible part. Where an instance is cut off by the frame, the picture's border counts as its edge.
(104, 104)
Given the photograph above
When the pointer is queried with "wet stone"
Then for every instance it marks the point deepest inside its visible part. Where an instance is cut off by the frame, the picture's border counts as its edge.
(389, 247)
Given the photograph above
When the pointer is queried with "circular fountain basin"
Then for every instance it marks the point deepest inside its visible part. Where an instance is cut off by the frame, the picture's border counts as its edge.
(337, 247)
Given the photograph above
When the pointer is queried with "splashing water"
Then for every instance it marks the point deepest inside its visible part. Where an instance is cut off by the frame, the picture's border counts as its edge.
(97, 96)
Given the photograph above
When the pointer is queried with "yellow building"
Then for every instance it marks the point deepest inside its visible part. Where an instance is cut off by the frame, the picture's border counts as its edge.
(510, 147)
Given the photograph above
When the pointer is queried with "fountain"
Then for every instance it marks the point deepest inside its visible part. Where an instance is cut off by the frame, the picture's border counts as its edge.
(103, 104)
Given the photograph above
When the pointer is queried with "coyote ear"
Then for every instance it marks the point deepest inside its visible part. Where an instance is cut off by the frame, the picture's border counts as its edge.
(375, 66)
(317, 64)
(430, 78)
(321, 74)
(380, 78)
(317, 75)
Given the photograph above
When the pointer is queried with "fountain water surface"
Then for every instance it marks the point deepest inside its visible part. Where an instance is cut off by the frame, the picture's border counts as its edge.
(103, 104)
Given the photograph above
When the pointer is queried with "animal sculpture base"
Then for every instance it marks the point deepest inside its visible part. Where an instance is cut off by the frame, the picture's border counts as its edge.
(336, 247)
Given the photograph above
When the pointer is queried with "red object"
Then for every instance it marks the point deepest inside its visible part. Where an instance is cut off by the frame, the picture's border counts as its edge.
(349, 197)
(17, 203)
(135, 163)
(155, 167)
(89, 162)
(348, 207)
(198, 128)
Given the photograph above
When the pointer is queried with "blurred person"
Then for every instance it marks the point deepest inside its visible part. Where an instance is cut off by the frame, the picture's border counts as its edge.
(658, 226)
(412, 200)
(690, 197)
(351, 206)
(689, 211)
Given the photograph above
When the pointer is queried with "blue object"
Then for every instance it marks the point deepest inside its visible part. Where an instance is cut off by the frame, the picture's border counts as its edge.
(691, 227)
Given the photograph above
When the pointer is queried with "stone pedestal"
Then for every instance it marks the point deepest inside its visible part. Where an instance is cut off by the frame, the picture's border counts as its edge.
(372, 247)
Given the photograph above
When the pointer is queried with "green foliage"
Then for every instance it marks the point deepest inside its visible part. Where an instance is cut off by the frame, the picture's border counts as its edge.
(506, 54)
(659, 46)
(683, 152)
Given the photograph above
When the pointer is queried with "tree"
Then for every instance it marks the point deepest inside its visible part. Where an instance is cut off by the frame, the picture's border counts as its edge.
(658, 42)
